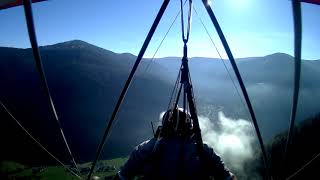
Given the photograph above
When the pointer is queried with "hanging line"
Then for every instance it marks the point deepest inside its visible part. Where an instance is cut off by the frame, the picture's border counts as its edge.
(303, 167)
(36, 53)
(173, 93)
(127, 84)
(241, 83)
(194, 99)
(187, 84)
(296, 10)
(185, 38)
(152, 59)
(37, 142)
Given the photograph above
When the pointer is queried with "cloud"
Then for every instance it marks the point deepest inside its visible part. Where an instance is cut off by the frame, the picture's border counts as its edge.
(232, 139)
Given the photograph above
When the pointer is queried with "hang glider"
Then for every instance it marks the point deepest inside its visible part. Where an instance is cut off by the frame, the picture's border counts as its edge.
(312, 1)
(5, 4)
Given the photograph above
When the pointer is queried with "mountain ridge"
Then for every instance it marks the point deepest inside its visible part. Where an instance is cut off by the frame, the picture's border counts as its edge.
(80, 44)
(86, 82)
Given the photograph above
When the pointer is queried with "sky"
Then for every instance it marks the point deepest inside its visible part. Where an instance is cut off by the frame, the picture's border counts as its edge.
(251, 27)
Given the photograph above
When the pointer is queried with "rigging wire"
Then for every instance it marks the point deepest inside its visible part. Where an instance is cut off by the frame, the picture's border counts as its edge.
(38, 143)
(173, 93)
(127, 84)
(225, 66)
(37, 57)
(241, 83)
(177, 97)
(303, 167)
(192, 92)
(152, 59)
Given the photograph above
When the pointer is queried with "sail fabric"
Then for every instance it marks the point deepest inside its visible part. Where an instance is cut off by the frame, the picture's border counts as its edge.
(312, 1)
(5, 4)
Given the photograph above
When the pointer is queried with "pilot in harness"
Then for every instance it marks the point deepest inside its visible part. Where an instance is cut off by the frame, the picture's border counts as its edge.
(177, 151)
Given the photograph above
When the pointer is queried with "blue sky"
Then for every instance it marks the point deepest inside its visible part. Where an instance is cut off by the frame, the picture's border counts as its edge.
(252, 27)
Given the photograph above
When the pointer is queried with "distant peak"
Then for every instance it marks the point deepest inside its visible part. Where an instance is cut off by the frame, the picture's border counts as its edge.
(279, 54)
(128, 55)
(76, 41)
(73, 44)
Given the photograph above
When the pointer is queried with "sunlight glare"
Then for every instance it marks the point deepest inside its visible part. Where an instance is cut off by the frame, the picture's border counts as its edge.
(240, 4)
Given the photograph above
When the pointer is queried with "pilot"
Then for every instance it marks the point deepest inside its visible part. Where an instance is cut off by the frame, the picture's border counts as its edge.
(173, 154)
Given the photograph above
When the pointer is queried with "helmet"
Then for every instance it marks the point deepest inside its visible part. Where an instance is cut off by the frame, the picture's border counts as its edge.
(176, 121)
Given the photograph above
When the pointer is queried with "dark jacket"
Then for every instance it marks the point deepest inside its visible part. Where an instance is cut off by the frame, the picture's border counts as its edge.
(171, 159)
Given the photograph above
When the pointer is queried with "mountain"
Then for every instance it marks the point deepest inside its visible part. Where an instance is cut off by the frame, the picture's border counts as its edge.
(269, 82)
(302, 160)
(85, 82)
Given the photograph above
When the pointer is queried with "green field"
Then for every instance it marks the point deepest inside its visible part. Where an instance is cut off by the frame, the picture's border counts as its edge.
(105, 169)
